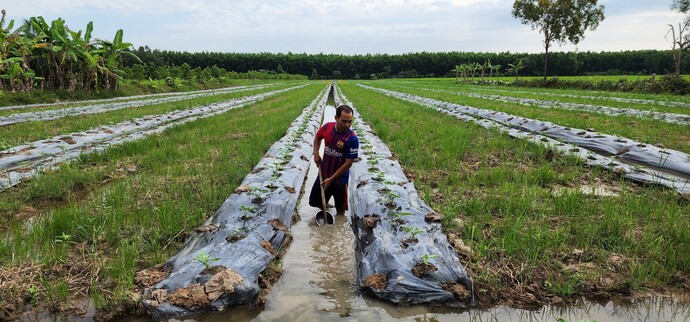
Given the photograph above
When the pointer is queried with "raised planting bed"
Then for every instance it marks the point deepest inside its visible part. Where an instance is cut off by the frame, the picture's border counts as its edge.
(228, 261)
(105, 107)
(128, 98)
(674, 118)
(402, 255)
(634, 160)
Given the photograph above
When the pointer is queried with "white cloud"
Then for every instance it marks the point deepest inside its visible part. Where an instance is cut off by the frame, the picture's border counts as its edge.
(355, 26)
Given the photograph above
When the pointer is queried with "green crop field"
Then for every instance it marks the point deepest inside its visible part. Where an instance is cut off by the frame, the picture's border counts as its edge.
(538, 226)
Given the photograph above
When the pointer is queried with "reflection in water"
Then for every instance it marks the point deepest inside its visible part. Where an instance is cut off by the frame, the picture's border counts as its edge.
(334, 262)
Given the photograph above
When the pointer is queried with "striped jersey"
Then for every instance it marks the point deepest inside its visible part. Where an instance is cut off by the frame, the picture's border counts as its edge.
(337, 148)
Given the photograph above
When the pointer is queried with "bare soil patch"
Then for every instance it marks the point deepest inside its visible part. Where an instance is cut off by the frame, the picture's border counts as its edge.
(421, 269)
(376, 281)
(459, 291)
(370, 222)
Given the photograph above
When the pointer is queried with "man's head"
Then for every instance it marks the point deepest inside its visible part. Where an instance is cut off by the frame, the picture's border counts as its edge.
(343, 118)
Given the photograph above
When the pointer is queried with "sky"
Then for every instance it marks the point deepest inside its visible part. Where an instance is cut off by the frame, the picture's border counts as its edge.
(344, 27)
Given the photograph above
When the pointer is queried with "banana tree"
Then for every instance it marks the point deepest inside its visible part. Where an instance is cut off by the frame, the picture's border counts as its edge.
(490, 68)
(15, 51)
(516, 67)
(497, 68)
(457, 73)
(112, 52)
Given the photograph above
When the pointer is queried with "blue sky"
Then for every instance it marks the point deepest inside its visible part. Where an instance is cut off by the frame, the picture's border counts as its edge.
(344, 27)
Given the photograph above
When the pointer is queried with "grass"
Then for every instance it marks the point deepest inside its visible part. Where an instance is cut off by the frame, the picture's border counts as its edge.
(650, 131)
(135, 204)
(498, 195)
(128, 88)
(20, 133)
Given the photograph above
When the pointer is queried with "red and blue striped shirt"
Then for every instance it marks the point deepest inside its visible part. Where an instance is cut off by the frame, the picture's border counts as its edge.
(337, 148)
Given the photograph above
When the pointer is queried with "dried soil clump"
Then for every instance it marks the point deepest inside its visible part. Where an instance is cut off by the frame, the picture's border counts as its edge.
(221, 283)
(267, 246)
(458, 290)
(207, 228)
(277, 224)
(370, 222)
(376, 281)
(422, 269)
(68, 140)
(463, 250)
(433, 217)
(213, 270)
(151, 276)
(190, 296)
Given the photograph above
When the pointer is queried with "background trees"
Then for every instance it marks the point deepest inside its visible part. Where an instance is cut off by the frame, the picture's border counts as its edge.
(680, 39)
(422, 64)
(55, 57)
(559, 20)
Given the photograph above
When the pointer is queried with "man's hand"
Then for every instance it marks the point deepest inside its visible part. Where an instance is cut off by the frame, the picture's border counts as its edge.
(317, 159)
(327, 182)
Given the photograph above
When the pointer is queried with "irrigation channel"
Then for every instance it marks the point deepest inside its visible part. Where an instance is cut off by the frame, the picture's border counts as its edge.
(324, 265)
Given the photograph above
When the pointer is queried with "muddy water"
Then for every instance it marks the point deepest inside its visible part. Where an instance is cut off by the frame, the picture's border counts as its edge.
(319, 277)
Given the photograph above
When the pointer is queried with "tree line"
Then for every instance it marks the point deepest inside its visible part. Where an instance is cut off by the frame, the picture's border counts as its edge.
(422, 64)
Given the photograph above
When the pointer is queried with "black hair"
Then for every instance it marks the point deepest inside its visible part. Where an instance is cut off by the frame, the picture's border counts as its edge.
(343, 108)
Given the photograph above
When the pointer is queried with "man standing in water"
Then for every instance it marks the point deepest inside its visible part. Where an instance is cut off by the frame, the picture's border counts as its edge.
(340, 150)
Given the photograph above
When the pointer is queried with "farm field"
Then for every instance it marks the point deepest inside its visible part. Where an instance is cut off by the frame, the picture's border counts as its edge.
(86, 228)
(587, 78)
(646, 129)
(533, 226)
(23, 132)
(539, 227)
(597, 95)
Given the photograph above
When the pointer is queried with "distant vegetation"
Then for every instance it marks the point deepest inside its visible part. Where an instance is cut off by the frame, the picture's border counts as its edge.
(54, 57)
(422, 64)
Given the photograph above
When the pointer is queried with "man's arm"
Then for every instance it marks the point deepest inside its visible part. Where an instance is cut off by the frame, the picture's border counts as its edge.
(317, 147)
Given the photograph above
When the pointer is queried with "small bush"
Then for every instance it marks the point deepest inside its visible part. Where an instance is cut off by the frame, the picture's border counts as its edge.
(671, 84)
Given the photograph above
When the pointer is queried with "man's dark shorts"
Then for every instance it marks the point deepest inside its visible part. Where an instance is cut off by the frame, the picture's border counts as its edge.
(337, 191)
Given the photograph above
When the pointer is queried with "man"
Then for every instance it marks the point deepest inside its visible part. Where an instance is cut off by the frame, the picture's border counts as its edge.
(340, 150)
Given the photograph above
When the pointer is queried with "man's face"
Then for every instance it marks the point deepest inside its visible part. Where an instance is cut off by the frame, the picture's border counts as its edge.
(343, 122)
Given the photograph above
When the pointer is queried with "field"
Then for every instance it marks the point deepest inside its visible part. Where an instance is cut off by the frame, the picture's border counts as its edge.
(532, 221)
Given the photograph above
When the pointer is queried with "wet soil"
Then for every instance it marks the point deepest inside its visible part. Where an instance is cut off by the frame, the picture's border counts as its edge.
(459, 291)
(421, 269)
